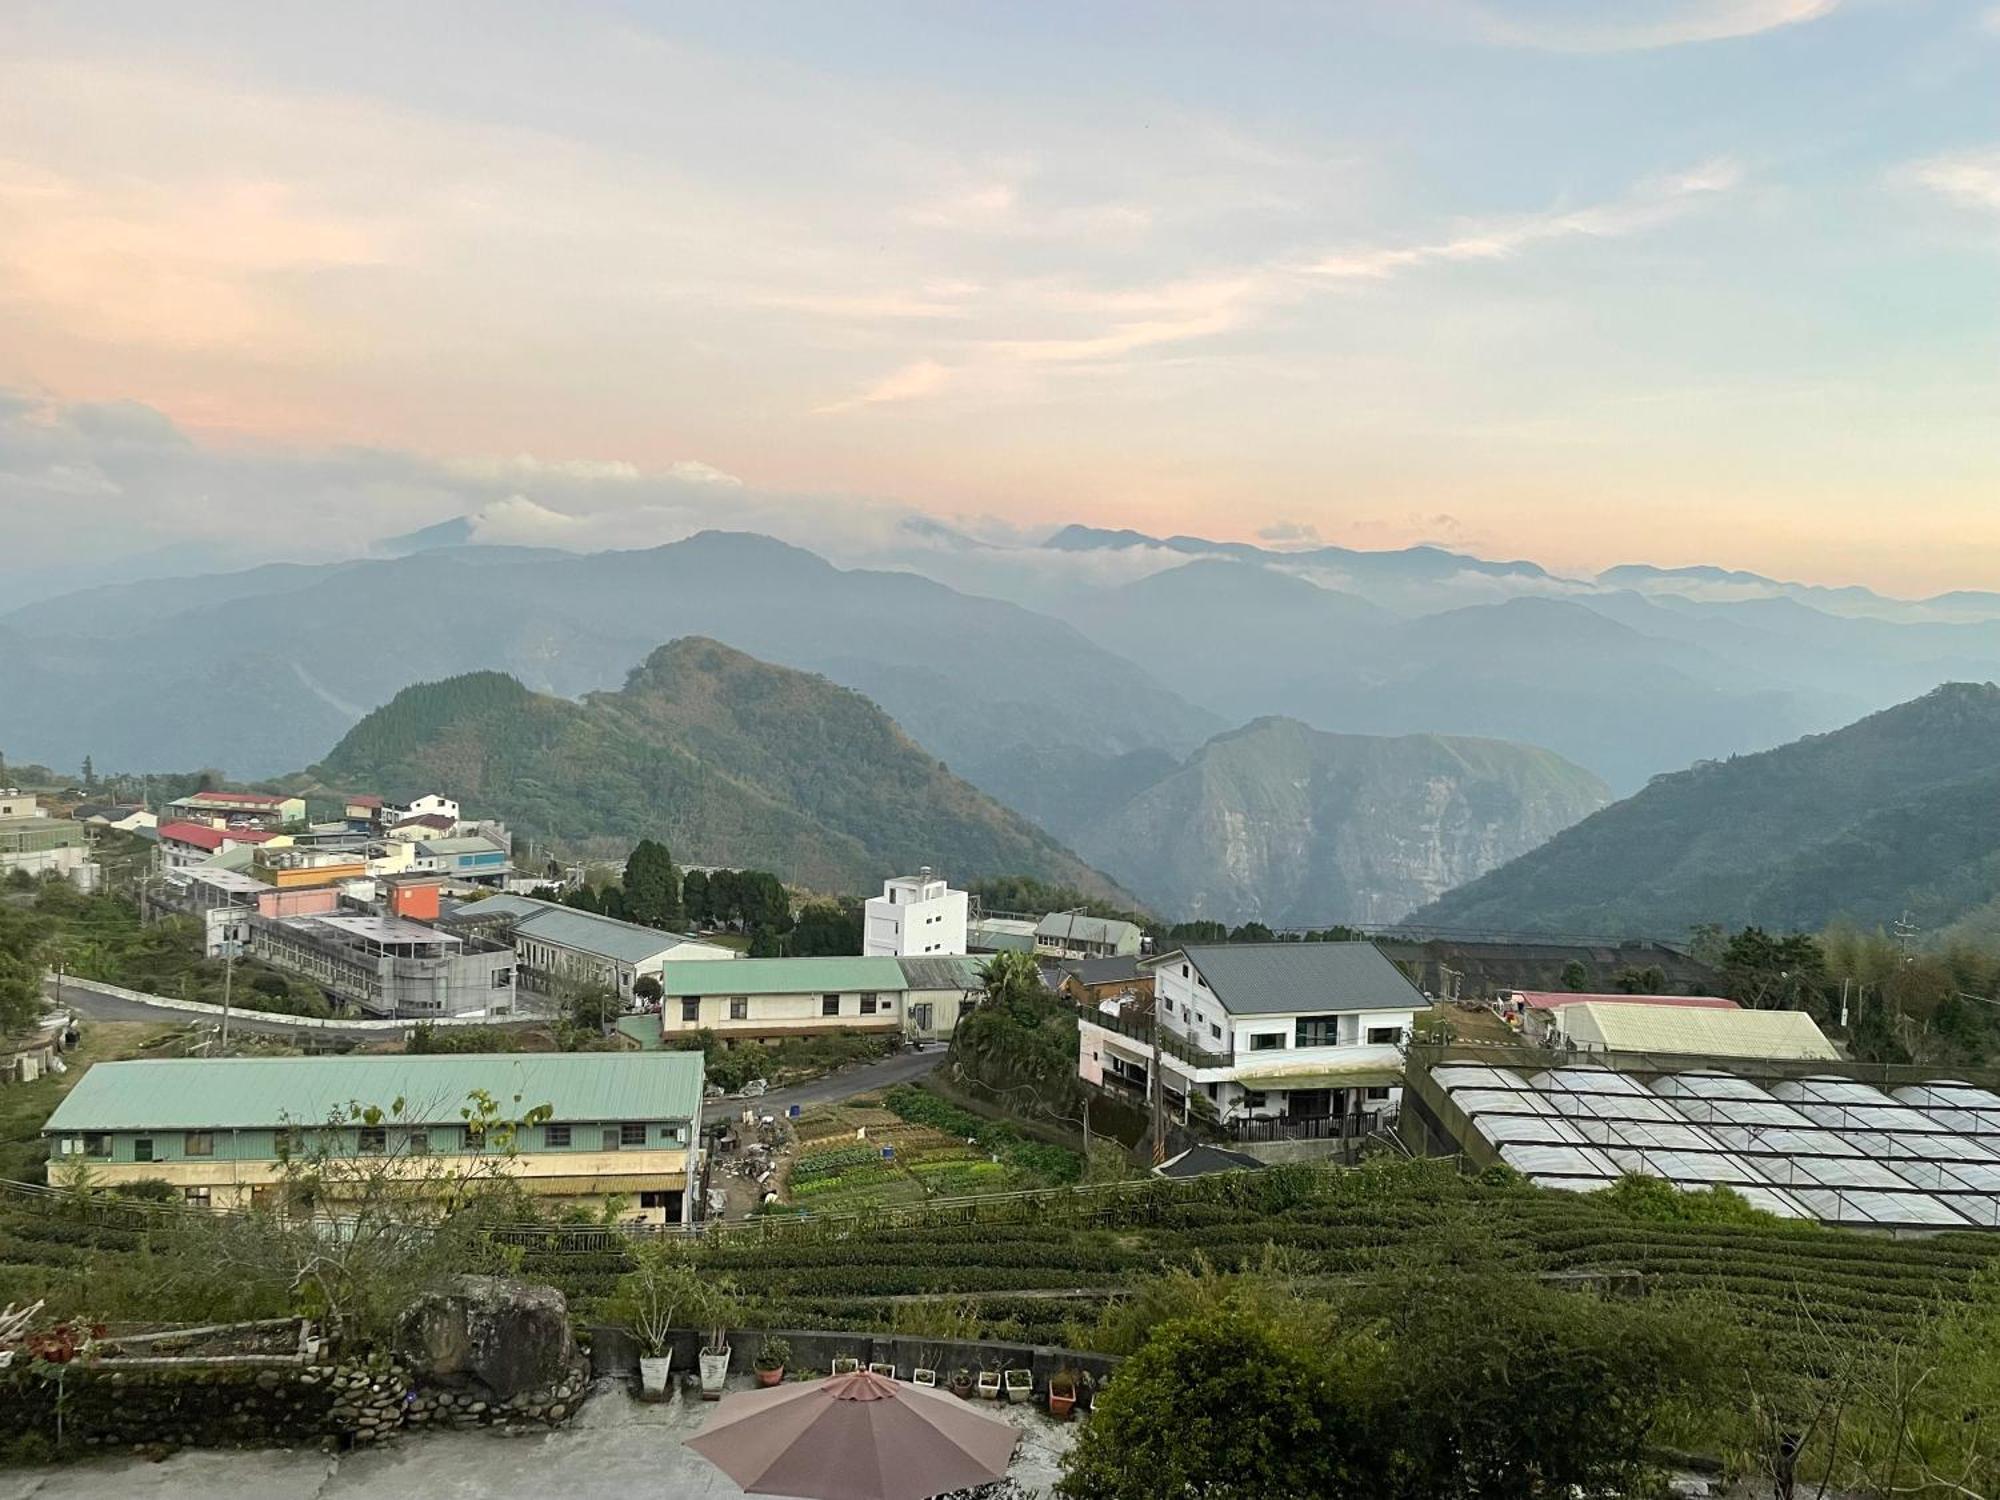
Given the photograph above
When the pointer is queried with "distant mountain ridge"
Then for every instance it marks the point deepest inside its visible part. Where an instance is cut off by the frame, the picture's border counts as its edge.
(1897, 812)
(1295, 827)
(729, 759)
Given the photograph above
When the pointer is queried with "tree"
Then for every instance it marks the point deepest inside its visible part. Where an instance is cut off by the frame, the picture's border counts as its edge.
(826, 929)
(725, 897)
(1253, 932)
(1650, 980)
(695, 899)
(590, 1004)
(1231, 1407)
(89, 775)
(1010, 977)
(652, 886)
(1775, 973)
(647, 987)
(1575, 976)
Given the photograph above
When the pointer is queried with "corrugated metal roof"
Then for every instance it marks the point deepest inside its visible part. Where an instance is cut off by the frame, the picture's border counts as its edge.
(942, 971)
(782, 976)
(1697, 1033)
(1065, 927)
(472, 843)
(584, 931)
(1103, 970)
(259, 1093)
(1266, 979)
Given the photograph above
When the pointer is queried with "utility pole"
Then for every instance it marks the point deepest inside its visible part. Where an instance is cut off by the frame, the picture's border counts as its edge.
(1906, 932)
(228, 972)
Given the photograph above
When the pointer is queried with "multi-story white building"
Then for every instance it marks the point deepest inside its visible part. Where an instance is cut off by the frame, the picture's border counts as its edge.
(915, 916)
(32, 841)
(1291, 1033)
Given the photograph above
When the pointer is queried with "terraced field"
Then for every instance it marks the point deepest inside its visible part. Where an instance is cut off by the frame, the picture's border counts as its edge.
(857, 1157)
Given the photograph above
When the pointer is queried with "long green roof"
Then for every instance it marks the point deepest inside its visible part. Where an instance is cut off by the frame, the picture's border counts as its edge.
(781, 976)
(259, 1093)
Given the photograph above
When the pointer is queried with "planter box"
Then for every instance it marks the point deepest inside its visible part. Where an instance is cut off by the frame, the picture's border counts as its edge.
(714, 1373)
(1020, 1385)
(655, 1376)
(846, 1366)
(887, 1372)
(921, 1376)
(989, 1385)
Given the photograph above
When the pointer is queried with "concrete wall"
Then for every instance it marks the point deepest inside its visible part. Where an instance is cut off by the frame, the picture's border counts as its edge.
(612, 1352)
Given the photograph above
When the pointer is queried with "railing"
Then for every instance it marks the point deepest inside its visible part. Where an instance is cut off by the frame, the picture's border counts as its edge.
(1170, 1041)
(1301, 1128)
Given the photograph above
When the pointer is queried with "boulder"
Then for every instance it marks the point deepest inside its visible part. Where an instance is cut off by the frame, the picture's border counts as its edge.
(503, 1335)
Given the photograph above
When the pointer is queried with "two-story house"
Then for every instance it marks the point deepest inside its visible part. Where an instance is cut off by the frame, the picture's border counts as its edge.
(619, 1128)
(1263, 1031)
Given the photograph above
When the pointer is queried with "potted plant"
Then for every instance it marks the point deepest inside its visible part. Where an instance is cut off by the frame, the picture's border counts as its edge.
(989, 1384)
(1062, 1394)
(770, 1362)
(846, 1366)
(885, 1370)
(1020, 1384)
(663, 1288)
(961, 1383)
(925, 1374)
(715, 1364)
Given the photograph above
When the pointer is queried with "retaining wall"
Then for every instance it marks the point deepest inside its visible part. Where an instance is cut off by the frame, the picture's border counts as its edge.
(612, 1352)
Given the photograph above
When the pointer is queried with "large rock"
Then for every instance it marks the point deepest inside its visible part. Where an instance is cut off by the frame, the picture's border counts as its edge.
(507, 1336)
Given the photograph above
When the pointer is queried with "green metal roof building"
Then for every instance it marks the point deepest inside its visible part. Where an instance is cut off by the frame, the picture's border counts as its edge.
(620, 1125)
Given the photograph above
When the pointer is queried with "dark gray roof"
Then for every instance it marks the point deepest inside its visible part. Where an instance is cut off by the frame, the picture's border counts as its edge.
(1103, 970)
(942, 971)
(1077, 927)
(1263, 979)
(1197, 1161)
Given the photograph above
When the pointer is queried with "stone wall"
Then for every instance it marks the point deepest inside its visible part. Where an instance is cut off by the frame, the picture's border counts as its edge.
(221, 1404)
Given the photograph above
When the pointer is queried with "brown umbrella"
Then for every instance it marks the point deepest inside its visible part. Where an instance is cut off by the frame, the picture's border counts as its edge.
(854, 1437)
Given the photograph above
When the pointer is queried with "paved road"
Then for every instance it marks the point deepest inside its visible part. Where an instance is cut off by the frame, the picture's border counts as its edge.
(901, 1067)
(102, 1007)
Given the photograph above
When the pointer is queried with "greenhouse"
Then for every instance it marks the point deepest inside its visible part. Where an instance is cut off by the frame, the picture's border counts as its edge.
(1833, 1149)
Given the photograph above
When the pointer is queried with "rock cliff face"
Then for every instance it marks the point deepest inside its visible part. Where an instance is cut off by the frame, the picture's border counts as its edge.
(1290, 826)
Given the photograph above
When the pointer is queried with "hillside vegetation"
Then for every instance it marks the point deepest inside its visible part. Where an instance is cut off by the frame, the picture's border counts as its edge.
(1296, 827)
(1900, 811)
(731, 760)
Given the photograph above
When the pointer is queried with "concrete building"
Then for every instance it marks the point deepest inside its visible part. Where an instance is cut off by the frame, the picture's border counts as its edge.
(223, 809)
(557, 945)
(185, 844)
(769, 999)
(36, 844)
(1000, 935)
(430, 805)
(1072, 934)
(1282, 1038)
(478, 860)
(620, 1125)
(916, 915)
(389, 966)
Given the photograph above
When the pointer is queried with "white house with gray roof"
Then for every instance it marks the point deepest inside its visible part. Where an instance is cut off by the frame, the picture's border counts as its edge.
(1288, 1033)
(557, 945)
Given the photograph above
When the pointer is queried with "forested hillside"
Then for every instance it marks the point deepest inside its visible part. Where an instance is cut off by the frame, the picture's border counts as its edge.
(1900, 811)
(731, 760)
(1295, 827)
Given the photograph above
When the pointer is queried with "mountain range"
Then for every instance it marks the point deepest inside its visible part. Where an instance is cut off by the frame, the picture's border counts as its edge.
(1896, 814)
(1299, 828)
(730, 760)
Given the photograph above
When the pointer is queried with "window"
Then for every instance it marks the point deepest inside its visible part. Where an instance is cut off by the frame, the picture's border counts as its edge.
(420, 1143)
(1267, 1041)
(555, 1135)
(198, 1143)
(372, 1139)
(1318, 1031)
(1184, 971)
(612, 1136)
(503, 979)
(1378, 1093)
(691, 1008)
(1215, 1031)
(1384, 1036)
(739, 1007)
(475, 1137)
(665, 1198)
(142, 1148)
(195, 1197)
(829, 1005)
(632, 1134)
(867, 1005)
(673, 1135)
(1252, 1099)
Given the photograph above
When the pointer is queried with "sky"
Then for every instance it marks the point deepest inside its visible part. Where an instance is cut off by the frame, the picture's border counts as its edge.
(1668, 281)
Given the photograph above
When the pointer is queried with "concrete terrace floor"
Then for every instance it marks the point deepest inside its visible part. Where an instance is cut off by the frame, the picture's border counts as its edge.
(618, 1448)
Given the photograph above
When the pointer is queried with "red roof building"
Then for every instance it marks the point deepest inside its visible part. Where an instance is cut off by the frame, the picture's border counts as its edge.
(201, 836)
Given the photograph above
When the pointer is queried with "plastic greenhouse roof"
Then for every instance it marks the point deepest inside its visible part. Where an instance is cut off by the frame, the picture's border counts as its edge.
(1825, 1148)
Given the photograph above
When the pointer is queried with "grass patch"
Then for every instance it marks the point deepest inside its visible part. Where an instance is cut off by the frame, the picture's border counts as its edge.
(25, 1106)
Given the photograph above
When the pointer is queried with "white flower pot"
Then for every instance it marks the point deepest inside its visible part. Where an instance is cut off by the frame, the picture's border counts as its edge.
(655, 1371)
(714, 1372)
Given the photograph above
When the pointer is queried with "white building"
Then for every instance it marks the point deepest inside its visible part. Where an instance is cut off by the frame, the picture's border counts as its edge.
(769, 999)
(430, 805)
(1286, 1034)
(33, 842)
(915, 915)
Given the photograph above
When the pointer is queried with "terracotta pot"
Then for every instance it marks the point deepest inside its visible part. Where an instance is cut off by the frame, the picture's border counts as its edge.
(1061, 1405)
(770, 1377)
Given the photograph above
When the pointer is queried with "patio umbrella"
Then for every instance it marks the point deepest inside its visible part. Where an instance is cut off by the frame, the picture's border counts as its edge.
(854, 1437)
